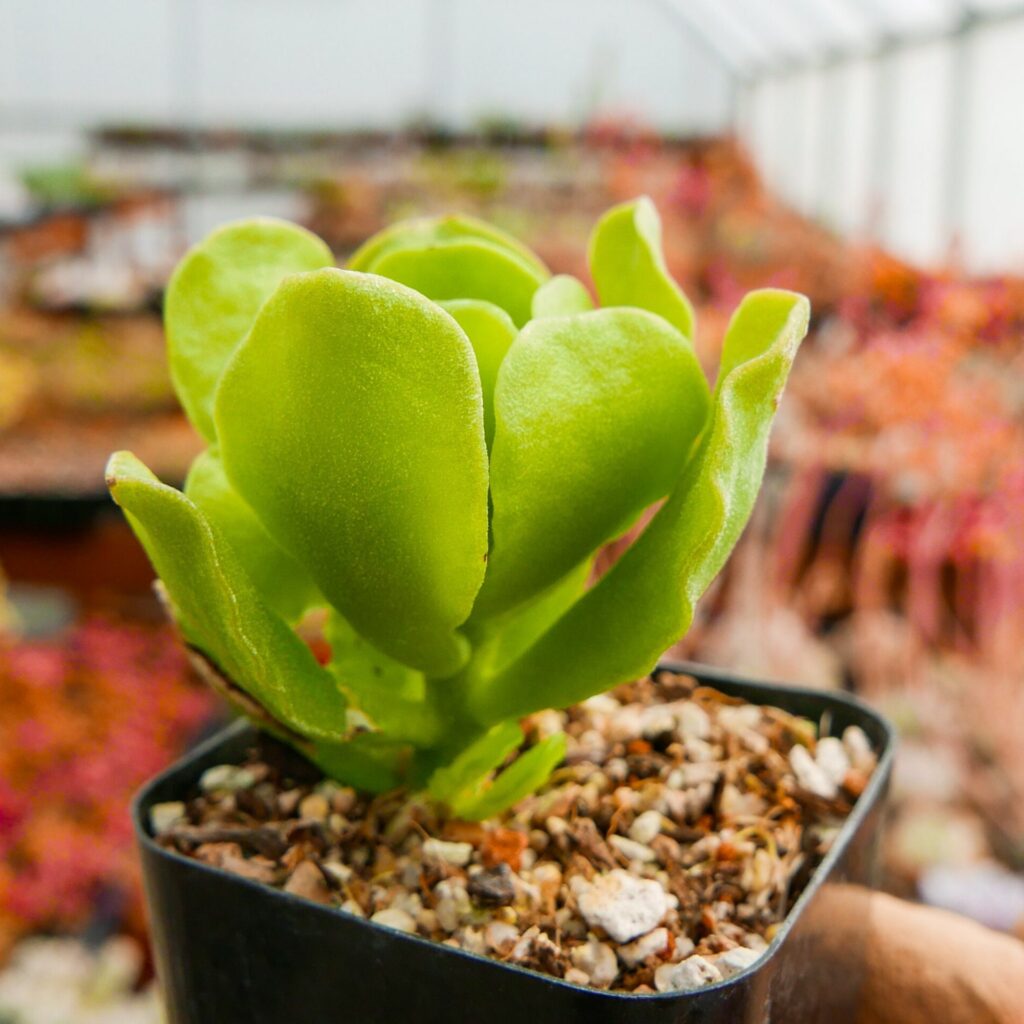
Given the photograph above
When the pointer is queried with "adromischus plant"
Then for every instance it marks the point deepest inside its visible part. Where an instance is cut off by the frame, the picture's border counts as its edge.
(431, 445)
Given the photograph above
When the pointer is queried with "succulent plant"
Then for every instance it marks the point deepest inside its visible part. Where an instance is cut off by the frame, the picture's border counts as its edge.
(430, 446)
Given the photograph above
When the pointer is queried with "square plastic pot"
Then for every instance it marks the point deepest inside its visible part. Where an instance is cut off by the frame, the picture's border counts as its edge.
(230, 950)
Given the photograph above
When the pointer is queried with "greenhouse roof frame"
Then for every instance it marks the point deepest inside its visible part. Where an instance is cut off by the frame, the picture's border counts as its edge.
(750, 41)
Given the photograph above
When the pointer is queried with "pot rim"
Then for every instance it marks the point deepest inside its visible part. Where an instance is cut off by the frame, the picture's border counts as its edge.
(705, 674)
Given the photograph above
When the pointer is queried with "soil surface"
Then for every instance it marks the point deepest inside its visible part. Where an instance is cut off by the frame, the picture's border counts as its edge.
(661, 856)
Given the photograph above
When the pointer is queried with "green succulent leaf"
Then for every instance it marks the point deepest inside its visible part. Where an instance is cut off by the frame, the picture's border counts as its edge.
(628, 267)
(390, 694)
(596, 415)
(465, 776)
(562, 295)
(491, 331)
(282, 583)
(620, 627)
(351, 421)
(370, 761)
(467, 269)
(418, 232)
(220, 612)
(525, 775)
(499, 641)
(214, 295)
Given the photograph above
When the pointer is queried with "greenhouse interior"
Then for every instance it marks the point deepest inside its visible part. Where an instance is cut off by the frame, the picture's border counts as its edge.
(389, 289)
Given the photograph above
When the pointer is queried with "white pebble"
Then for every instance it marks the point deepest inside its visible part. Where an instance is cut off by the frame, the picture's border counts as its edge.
(651, 944)
(226, 778)
(596, 959)
(694, 972)
(632, 850)
(577, 977)
(458, 854)
(809, 774)
(858, 748)
(501, 936)
(392, 917)
(645, 827)
(736, 960)
(693, 720)
(832, 759)
(165, 816)
(625, 906)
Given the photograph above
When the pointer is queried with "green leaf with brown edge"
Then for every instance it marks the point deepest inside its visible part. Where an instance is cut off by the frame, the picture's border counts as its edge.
(417, 232)
(491, 331)
(465, 269)
(465, 776)
(562, 295)
(525, 775)
(282, 583)
(596, 415)
(645, 603)
(351, 421)
(214, 295)
(219, 610)
(628, 266)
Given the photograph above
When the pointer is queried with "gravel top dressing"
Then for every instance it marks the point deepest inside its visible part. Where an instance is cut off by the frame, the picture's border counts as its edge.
(662, 856)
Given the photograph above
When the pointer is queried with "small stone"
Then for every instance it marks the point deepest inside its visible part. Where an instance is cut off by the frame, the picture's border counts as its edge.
(351, 907)
(524, 944)
(501, 936)
(308, 882)
(631, 850)
(832, 759)
(858, 748)
(575, 976)
(226, 778)
(597, 960)
(735, 960)
(458, 854)
(163, 817)
(472, 940)
(693, 972)
(492, 887)
(639, 950)
(314, 807)
(504, 846)
(393, 917)
(694, 723)
(645, 827)
(448, 915)
(810, 775)
(740, 719)
(623, 905)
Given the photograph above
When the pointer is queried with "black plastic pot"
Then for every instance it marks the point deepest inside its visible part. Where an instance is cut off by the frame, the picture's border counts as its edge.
(230, 950)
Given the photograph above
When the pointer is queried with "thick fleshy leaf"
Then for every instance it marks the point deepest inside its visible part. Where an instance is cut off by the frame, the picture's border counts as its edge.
(499, 641)
(525, 775)
(214, 295)
(465, 269)
(370, 761)
(563, 295)
(219, 611)
(465, 776)
(418, 232)
(351, 421)
(628, 267)
(282, 583)
(622, 625)
(491, 331)
(390, 694)
(596, 415)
